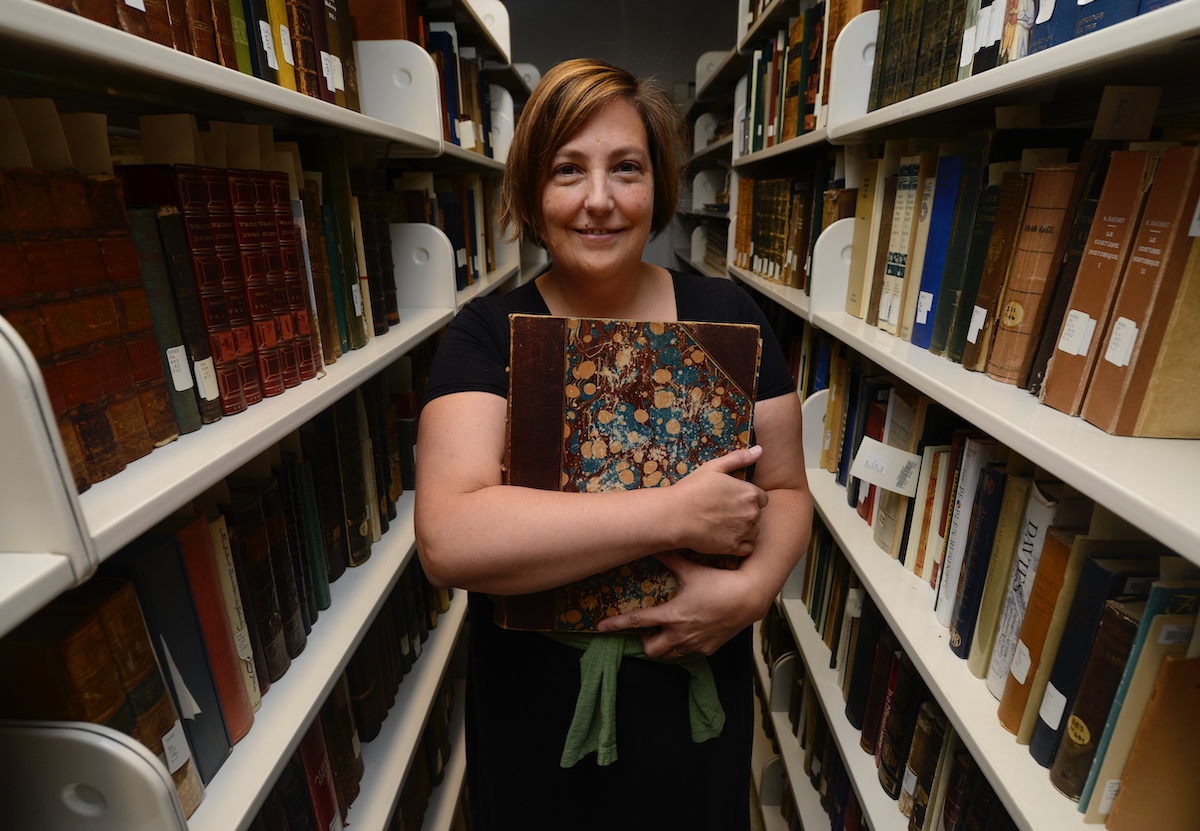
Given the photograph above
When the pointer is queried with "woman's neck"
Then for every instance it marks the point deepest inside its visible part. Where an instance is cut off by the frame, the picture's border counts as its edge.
(648, 294)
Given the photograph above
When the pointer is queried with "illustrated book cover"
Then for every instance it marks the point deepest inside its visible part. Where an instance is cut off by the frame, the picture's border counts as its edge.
(601, 405)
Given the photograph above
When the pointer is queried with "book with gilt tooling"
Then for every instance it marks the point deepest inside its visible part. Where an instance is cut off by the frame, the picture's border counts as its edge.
(603, 405)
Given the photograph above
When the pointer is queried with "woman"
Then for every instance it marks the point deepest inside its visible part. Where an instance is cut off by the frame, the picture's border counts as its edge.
(593, 171)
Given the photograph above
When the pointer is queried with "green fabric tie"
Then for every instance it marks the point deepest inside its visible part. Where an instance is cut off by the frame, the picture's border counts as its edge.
(594, 725)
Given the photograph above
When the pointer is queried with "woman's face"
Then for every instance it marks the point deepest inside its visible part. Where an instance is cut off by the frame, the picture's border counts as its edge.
(598, 198)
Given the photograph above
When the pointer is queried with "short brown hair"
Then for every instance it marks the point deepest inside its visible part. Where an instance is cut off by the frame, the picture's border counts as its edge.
(565, 98)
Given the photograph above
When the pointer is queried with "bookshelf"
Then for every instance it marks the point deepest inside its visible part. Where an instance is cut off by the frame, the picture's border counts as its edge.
(52, 538)
(1148, 482)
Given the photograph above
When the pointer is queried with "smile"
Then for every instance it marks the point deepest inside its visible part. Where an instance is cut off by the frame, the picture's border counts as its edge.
(598, 232)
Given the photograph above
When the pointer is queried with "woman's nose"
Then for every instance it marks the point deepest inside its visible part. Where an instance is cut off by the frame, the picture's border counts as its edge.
(599, 194)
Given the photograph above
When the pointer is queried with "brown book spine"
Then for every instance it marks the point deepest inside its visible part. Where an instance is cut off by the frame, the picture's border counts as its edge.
(320, 447)
(322, 283)
(195, 542)
(1039, 252)
(101, 11)
(1100, 273)
(307, 68)
(223, 33)
(924, 743)
(349, 64)
(878, 270)
(256, 579)
(177, 16)
(365, 679)
(354, 491)
(885, 650)
(1043, 597)
(897, 734)
(201, 31)
(152, 23)
(295, 284)
(318, 777)
(281, 565)
(1148, 295)
(341, 739)
(268, 237)
(1097, 689)
(1010, 215)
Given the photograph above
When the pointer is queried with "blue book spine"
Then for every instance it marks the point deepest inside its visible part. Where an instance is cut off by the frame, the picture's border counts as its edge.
(821, 371)
(941, 223)
(1100, 14)
(1054, 24)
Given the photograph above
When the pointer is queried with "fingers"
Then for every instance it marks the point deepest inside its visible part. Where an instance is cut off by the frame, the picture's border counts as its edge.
(736, 460)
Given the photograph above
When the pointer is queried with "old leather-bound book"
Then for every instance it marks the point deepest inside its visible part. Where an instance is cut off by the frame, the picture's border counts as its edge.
(603, 405)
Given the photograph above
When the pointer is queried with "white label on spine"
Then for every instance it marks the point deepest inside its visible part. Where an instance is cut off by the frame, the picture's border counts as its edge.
(968, 48)
(1045, 10)
(885, 306)
(268, 42)
(177, 361)
(327, 69)
(358, 301)
(339, 78)
(206, 380)
(1053, 704)
(335, 824)
(285, 40)
(924, 302)
(978, 318)
(890, 468)
(175, 747)
(1111, 788)
(141, 7)
(1076, 333)
(1121, 341)
(1021, 662)
(910, 780)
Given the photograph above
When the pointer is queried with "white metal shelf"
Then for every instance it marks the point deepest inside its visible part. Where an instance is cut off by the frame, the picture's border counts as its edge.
(813, 138)
(717, 152)
(73, 36)
(486, 284)
(239, 788)
(1138, 37)
(387, 757)
(117, 510)
(1150, 482)
(792, 299)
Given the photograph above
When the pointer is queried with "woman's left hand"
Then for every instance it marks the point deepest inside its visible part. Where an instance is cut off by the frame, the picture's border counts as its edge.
(710, 606)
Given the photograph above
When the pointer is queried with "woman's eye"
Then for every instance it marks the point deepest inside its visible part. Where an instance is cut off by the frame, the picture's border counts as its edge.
(627, 167)
(567, 170)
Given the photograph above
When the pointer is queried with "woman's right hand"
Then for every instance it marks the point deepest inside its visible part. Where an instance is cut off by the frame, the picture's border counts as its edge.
(717, 512)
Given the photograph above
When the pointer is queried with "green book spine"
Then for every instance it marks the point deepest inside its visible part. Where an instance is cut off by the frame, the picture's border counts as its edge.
(981, 237)
(241, 37)
(335, 276)
(312, 530)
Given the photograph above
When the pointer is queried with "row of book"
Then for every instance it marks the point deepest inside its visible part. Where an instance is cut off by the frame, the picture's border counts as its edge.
(780, 218)
(166, 297)
(921, 46)
(1022, 570)
(308, 46)
(234, 584)
(1065, 270)
(919, 758)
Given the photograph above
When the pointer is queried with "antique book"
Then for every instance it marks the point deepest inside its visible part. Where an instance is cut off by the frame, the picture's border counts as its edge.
(927, 736)
(1149, 309)
(1101, 270)
(862, 259)
(297, 307)
(1010, 213)
(195, 545)
(223, 32)
(631, 405)
(981, 534)
(306, 588)
(935, 28)
(1160, 761)
(154, 563)
(995, 587)
(287, 582)
(1030, 281)
(903, 429)
(876, 680)
(977, 252)
(320, 449)
(930, 534)
(116, 605)
(1166, 635)
(364, 674)
(322, 280)
(342, 744)
(1101, 578)
(355, 508)
(877, 271)
(1098, 686)
(897, 735)
(235, 609)
(1168, 597)
(927, 768)
(318, 778)
(915, 169)
(941, 224)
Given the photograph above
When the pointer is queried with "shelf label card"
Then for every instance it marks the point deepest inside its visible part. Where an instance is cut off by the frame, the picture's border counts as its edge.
(1176, 634)
(268, 42)
(177, 361)
(1021, 662)
(175, 747)
(1111, 788)
(967, 55)
(1021, 115)
(1120, 342)
(1077, 333)
(1045, 10)
(285, 41)
(206, 380)
(1053, 704)
(1126, 113)
(978, 318)
(887, 467)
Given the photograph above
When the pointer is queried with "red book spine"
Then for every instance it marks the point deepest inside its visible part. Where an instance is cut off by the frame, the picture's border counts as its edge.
(295, 277)
(318, 777)
(269, 238)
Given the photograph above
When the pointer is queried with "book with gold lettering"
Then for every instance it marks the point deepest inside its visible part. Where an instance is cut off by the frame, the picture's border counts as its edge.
(602, 405)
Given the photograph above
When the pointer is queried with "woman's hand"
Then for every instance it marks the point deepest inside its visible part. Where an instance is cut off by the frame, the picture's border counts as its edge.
(719, 513)
(710, 606)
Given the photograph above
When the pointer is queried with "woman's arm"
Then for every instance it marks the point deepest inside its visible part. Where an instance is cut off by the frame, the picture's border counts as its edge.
(476, 533)
(711, 604)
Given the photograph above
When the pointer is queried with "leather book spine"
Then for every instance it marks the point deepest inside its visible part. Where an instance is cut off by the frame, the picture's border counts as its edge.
(256, 579)
(933, 41)
(981, 533)
(977, 252)
(319, 253)
(152, 23)
(115, 604)
(1048, 583)
(295, 321)
(1097, 688)
(1100, 272)
(1030, 281)
(1140, 314)
(872, 720)
(354, 493)
(862, 660)
(155, 565)
(924, 767)
(195, 543)
(320, 447)
(349, 64)
(243, 38)
(878, 269)
(264, 62)
(299, 17)
(263, 328)
(179, 26)
(240, 620)
(201, 32)
(286, 587)
(318, 777)
(160, 300)
(917, 753)
(333, 36)
(287, 479)
(1010, 213)
(312, 531)
(281, 37)
(897, 735)
(364, 676)
(268, 237)
(97, 10)
(326, 82)
(341, 737)
(226, 43)
(293, 795)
